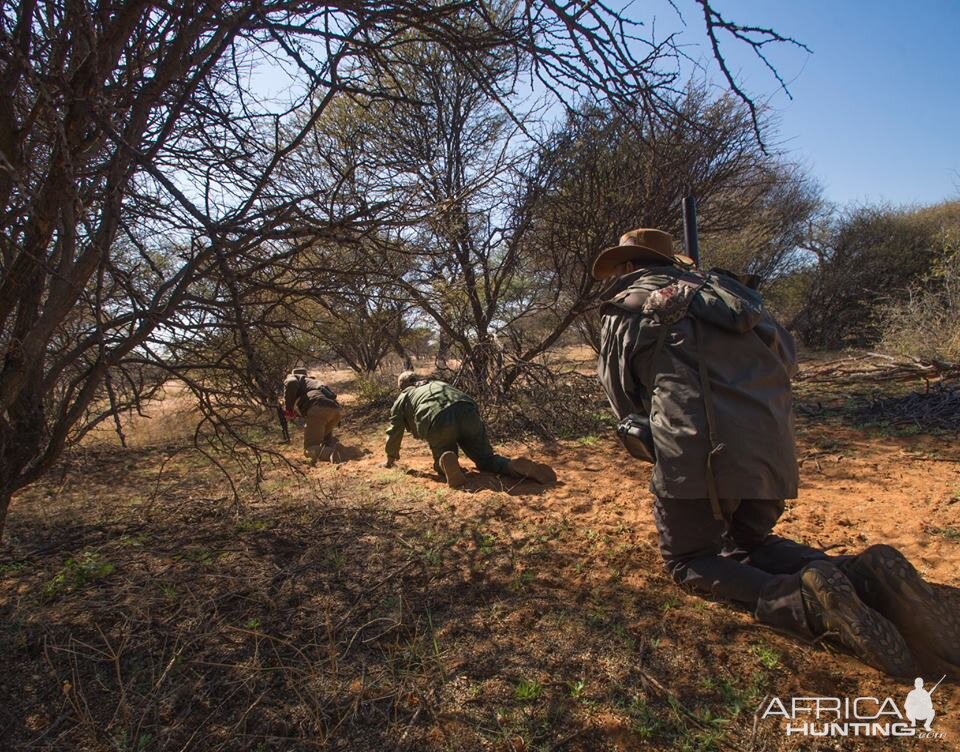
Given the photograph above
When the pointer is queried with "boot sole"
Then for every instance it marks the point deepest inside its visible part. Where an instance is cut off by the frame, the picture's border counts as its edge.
(452, 470)
(539, 472)
(902, 594)
(870, 637)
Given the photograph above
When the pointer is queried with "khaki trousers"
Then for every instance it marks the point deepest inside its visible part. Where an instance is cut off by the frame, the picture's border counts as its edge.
(318, 428)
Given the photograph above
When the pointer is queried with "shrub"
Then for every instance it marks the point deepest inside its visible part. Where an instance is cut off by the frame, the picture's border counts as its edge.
(924, 322)
(549, 405)
(375, 392)
(869, 259)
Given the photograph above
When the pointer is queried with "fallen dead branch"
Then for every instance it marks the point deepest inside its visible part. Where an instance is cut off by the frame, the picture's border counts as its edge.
(877, 367)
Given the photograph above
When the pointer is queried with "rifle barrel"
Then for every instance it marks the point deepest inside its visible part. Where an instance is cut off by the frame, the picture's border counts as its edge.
(690, 241)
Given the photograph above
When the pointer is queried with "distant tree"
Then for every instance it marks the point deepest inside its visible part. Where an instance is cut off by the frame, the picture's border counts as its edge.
(607, 171)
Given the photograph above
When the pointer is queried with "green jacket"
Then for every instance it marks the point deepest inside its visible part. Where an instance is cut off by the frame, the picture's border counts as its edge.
(749, 358)
(416, 408)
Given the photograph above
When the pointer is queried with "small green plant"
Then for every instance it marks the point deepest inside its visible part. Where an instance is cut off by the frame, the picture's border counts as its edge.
(336, 559)
(596, 618)
(648, 724)
(86, 568)
(254, 525)
(12, 567)
(123, 741)
(948, 532)
(737, 696)
(252, 624)
(486, 543)
(588, 440)
(137, 539)
(169, 591)
(575, 688)
(523, 579)
(628, 640)
(200, 555)
(527, 690)
(768, 657)
(668, 603)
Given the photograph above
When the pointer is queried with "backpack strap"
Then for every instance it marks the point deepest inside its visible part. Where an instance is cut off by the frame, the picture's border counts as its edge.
(716, 446)
(301, 394)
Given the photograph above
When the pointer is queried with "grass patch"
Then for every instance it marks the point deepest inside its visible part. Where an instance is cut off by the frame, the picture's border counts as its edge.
(769, 658)
(527, 690)
(947, 532)
(77, 573)
(255, 525)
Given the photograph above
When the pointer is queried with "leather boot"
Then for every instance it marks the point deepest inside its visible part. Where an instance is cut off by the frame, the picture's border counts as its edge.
(890, 584)
(526, 468)
(452, 470)
(833, 608)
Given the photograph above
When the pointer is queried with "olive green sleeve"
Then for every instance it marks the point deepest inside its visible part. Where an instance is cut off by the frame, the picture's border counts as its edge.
(395, 431)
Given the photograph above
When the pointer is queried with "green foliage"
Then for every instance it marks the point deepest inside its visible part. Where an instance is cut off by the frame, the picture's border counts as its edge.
(375, 391)
(872, 263)
(89, 567)
(648, 723)
(12, 567)
(769, 658)
(527, 690)
(925, 322)
(255, 525)
(948, 533)
(575, 688)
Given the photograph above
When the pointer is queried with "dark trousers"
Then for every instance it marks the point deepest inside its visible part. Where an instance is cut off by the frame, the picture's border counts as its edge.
(738, 559)
(461, 427)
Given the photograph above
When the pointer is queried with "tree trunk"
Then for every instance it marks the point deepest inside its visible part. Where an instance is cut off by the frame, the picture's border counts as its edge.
(5, 495)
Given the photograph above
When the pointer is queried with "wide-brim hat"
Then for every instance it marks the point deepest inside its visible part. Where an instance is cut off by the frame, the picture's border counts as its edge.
(643, 245)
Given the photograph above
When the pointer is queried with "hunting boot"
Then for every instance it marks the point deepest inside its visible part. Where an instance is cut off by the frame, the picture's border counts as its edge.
(325, 453)
(890, 584)
(452, 470)
(524, 468)
(833, 609)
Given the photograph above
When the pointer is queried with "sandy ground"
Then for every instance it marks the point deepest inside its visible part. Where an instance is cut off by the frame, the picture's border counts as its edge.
(856, 490)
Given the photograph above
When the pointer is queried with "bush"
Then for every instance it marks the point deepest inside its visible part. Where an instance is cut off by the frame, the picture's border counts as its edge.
(925, 321)
(869, 258)
(375, 392)
(550, 406)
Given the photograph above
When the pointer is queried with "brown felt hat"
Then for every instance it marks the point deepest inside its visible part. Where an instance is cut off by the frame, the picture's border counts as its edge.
(644, 244)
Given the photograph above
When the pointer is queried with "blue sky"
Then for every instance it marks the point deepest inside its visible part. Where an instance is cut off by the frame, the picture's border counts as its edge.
(875, 114)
